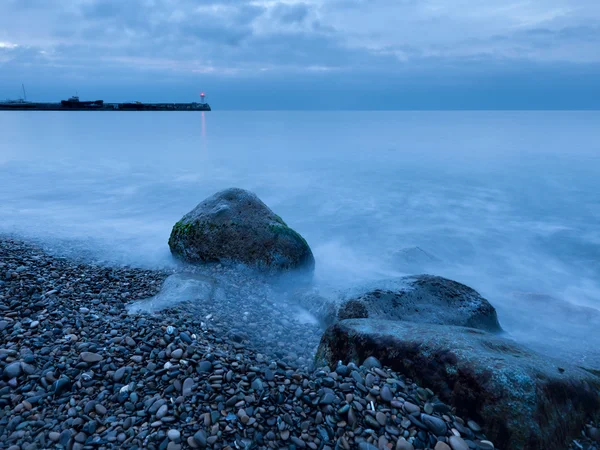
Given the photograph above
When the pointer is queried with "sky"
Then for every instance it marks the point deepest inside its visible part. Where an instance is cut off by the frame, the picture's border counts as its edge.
(307, 54)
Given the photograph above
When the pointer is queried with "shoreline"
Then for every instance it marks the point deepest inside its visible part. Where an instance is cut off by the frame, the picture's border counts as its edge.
(79, 372)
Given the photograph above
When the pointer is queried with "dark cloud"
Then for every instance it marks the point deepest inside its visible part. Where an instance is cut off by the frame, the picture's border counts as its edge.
(250, 38)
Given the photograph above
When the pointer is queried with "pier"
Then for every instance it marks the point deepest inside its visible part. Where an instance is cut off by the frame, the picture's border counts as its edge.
(74, 104)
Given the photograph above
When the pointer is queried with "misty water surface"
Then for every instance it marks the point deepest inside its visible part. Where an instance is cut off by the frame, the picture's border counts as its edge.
(506, 202)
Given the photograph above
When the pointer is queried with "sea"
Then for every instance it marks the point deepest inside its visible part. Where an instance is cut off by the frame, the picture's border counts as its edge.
(505, 202)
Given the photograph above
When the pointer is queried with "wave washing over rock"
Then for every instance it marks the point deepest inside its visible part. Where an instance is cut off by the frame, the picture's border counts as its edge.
(217, 355)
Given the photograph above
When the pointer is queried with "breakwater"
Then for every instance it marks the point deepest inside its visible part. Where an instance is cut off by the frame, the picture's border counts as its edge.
(101, 106)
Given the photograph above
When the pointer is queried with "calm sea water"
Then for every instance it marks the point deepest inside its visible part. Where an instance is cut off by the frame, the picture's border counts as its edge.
(506, 202)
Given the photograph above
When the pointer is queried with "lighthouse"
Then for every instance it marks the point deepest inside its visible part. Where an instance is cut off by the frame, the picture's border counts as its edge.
(202, 98)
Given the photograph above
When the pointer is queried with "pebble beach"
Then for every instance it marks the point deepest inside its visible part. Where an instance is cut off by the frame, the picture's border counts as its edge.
(80, 371)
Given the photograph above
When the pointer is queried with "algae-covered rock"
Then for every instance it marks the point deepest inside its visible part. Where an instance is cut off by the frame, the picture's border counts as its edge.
(525, 400)
(235, 226)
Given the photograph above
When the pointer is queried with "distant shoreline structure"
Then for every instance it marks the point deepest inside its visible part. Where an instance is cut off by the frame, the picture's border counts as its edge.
(74, 104)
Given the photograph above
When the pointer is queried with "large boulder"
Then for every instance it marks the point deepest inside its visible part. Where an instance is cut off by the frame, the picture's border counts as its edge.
(234, 225)
(419, 299)
(524, 399)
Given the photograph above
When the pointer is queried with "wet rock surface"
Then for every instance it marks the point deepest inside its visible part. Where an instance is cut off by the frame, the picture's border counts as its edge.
(418, 299)
(235, 226)
(525, 400)
(242, 307)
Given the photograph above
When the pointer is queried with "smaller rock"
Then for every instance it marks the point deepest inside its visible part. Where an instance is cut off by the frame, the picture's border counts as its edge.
(457, 443)
(204, 366)
(188, 386)
(411, 408)
(474, 426)
(371, 362)
(13, 370)
(174, 435)
(162, 411)
(436, 425)
(119, 374)
(366, 446)
(90, 357)
(185, 338)
(386, 394)
(327, 399)
(441, 446)
(403, 444)
(65, 437)
(200, 438)
(54, 436)
(62, 385)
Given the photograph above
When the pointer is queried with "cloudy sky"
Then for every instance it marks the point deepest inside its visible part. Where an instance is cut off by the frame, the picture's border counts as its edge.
(380, 54)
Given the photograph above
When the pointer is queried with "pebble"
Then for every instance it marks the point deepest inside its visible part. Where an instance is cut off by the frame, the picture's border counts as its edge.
(457, 443)
(473, 426)
(366, 446)
(204, 366)
(200, 438)
(13, 370)
(188, 386)
(119, 374)
(54, 436)
(90, 357)
(371, 362)
(386, 394)
(173, 435)
(403, 444)
(411, 408)
(162, 411)
(436, 425)
(62, 385)
(441, 446)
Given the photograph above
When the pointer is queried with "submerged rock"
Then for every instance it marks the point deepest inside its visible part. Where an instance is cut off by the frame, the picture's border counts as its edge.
(234, 225)
(414, 260)
(525, 400)
(419, 299)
